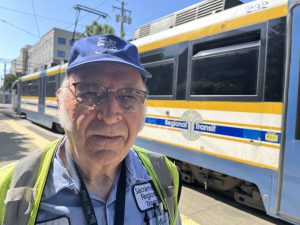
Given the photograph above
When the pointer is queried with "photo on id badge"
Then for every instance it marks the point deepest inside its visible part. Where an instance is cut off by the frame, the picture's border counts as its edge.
(147, 201)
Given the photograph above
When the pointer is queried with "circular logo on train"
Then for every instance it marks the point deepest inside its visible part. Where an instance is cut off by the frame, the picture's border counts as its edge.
(192, 117)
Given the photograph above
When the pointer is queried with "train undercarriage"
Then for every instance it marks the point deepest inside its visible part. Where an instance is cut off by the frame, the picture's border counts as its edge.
(243, 192)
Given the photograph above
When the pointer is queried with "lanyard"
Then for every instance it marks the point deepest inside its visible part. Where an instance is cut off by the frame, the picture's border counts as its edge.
(87, 202)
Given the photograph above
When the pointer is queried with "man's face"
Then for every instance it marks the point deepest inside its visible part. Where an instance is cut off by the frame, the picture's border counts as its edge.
(103, 134)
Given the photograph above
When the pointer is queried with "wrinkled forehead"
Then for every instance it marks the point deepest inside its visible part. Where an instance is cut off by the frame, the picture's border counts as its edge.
(109, 75)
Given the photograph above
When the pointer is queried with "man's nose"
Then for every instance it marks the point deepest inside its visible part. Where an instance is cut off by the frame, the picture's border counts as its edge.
(110, 110)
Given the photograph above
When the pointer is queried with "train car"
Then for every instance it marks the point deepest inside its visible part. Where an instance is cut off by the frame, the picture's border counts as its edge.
(223, 99)
(36, 96)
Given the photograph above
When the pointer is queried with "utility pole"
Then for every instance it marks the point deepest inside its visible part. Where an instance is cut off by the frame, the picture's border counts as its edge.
(3, 89)
(125, 17)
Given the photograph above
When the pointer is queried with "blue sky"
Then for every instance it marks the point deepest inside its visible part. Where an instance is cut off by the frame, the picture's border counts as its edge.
(20, 27)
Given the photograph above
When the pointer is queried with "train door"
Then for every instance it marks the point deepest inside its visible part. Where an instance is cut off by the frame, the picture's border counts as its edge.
(41, 96)
(289, 198)
(15, 97)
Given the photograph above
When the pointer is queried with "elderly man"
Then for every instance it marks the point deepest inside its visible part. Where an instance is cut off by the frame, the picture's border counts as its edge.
(95, 175)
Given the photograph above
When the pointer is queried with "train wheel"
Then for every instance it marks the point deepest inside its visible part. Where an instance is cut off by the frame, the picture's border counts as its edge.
(248, 194)
(58, 128)
(214, 180)
(23, 115)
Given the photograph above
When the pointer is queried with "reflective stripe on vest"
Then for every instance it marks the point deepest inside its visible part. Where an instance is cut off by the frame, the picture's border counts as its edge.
(26, 187)
(165, 177)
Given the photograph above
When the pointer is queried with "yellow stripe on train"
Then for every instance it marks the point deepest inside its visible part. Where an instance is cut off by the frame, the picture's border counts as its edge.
(30, 97)
(33, 76)
(250, 107)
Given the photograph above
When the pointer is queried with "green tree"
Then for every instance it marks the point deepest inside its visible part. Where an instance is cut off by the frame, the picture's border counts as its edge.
(9, 79)
(96, 28)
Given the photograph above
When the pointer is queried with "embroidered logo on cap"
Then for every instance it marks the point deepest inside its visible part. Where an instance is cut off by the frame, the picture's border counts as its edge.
(107, 43)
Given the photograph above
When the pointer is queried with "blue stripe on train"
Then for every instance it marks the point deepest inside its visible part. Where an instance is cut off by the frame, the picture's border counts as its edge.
(52, 107)
(252, 134)
(30, 103)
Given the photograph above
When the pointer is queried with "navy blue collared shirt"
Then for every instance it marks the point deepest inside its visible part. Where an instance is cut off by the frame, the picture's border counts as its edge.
(61, 203)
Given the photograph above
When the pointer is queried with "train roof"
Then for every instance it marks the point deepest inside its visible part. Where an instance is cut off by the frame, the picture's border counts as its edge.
(192, 12)
(31, 76)
(56, 69)
(48, 72)
(239, 16)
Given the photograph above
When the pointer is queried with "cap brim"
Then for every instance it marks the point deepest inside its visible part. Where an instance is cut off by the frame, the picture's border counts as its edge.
(144, 73)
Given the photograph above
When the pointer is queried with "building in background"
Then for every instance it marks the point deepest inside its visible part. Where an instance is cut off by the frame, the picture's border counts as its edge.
(20, 64)
(52, 49)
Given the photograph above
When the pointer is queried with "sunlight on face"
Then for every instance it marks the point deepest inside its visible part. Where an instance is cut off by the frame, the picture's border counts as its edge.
(107, 138)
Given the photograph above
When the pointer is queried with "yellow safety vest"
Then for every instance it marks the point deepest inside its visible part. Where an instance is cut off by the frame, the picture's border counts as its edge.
(22, 184)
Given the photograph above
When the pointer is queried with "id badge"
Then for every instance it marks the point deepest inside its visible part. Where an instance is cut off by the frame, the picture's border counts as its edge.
(145, 196)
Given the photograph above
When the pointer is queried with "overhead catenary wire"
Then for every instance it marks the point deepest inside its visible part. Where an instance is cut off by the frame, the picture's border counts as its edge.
(35, 15)
(37, 25)
(39, 16)
(29, 63)
(88, 29)
(14, 63)
(44, 17)
(54, 19)
(84, 15)
(35, 35)
(78, 8)
(17, 27)
(4, 60)
(19, 62)
(75, 25)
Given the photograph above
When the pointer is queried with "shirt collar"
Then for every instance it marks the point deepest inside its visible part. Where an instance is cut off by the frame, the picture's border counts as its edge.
(135, 167)
(60, 177)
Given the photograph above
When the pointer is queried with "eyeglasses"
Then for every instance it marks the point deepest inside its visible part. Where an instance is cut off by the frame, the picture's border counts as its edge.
(93, 94)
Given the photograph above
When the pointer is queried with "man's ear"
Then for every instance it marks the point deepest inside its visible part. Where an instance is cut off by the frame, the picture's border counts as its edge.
(58, 93)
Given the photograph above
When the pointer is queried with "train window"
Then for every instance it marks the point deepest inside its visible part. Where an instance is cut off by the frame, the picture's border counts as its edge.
(30, 88)
(50, 86)
(230, 70)
(274, 80)
(238, 39)
(161, 82)
(23, 88)
(161, 54)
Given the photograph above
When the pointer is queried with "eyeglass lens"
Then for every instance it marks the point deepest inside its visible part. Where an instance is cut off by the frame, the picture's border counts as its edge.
(91, 94)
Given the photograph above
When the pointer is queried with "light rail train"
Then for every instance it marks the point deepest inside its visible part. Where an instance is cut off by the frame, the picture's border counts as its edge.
(223, 98)
(33, 96)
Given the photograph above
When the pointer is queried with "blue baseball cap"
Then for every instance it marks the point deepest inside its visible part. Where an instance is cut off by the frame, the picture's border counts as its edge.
(104, 48)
